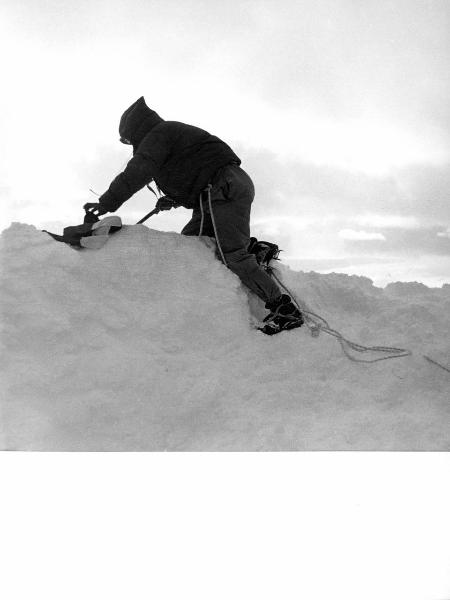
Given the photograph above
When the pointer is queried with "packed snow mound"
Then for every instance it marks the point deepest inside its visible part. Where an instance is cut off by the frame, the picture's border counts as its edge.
(149, 343)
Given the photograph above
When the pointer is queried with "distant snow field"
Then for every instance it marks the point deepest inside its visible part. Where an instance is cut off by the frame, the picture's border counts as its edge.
(149, 344)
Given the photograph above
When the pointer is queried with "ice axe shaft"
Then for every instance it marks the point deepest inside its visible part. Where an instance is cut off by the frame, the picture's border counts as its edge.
(150, 214)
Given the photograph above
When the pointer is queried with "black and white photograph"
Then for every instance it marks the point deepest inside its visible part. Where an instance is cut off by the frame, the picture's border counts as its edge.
(226, 227)
(225, 236)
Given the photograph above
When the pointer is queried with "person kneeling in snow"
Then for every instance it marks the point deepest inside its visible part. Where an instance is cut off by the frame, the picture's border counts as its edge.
(199, 171)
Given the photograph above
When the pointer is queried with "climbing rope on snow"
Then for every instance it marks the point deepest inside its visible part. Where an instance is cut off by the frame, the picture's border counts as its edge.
(434, 362)
(316, 324)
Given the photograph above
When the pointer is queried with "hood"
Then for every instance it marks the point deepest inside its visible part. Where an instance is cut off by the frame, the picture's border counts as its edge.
(137, 121)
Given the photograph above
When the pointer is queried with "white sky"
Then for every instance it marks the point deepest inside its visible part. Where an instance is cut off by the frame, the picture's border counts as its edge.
(338, 109)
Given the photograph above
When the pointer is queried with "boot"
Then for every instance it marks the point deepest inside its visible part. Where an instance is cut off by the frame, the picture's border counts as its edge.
(283, 315)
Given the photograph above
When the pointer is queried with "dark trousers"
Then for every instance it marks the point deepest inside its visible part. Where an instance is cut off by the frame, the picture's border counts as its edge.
(232, 195)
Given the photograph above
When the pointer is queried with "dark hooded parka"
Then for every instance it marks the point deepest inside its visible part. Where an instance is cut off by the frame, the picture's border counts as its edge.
(180, 158)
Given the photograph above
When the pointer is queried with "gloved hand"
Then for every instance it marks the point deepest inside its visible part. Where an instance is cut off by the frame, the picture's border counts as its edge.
(94, 208)
(165, 203)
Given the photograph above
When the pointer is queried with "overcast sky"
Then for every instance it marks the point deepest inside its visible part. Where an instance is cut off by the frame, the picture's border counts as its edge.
(338, 109)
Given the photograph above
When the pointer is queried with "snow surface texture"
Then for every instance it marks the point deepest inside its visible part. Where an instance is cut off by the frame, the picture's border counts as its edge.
(148, 344)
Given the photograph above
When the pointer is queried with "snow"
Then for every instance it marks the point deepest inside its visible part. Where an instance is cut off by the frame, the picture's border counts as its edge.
(149, 344)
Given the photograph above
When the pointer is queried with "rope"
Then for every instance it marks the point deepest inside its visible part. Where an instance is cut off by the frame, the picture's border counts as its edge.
(434, 362)
(316, 323)
(214, 225)
(202, 212)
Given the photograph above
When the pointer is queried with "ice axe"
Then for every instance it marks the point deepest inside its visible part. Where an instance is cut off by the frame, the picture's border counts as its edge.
(164, 203)
(155, 211)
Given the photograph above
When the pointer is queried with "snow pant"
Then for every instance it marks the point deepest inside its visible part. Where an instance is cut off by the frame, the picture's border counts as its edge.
(232, 195)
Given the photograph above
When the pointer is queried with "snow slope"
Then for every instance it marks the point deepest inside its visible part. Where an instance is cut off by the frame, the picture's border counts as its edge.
(147, 344)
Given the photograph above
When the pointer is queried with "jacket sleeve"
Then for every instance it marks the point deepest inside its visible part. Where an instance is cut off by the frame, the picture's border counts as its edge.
(138, 172)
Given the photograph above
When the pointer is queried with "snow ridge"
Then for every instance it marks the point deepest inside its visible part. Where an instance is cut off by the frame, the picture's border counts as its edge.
(148, 344)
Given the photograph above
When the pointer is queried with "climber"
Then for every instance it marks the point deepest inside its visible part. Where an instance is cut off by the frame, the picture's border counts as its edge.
(182, 160)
